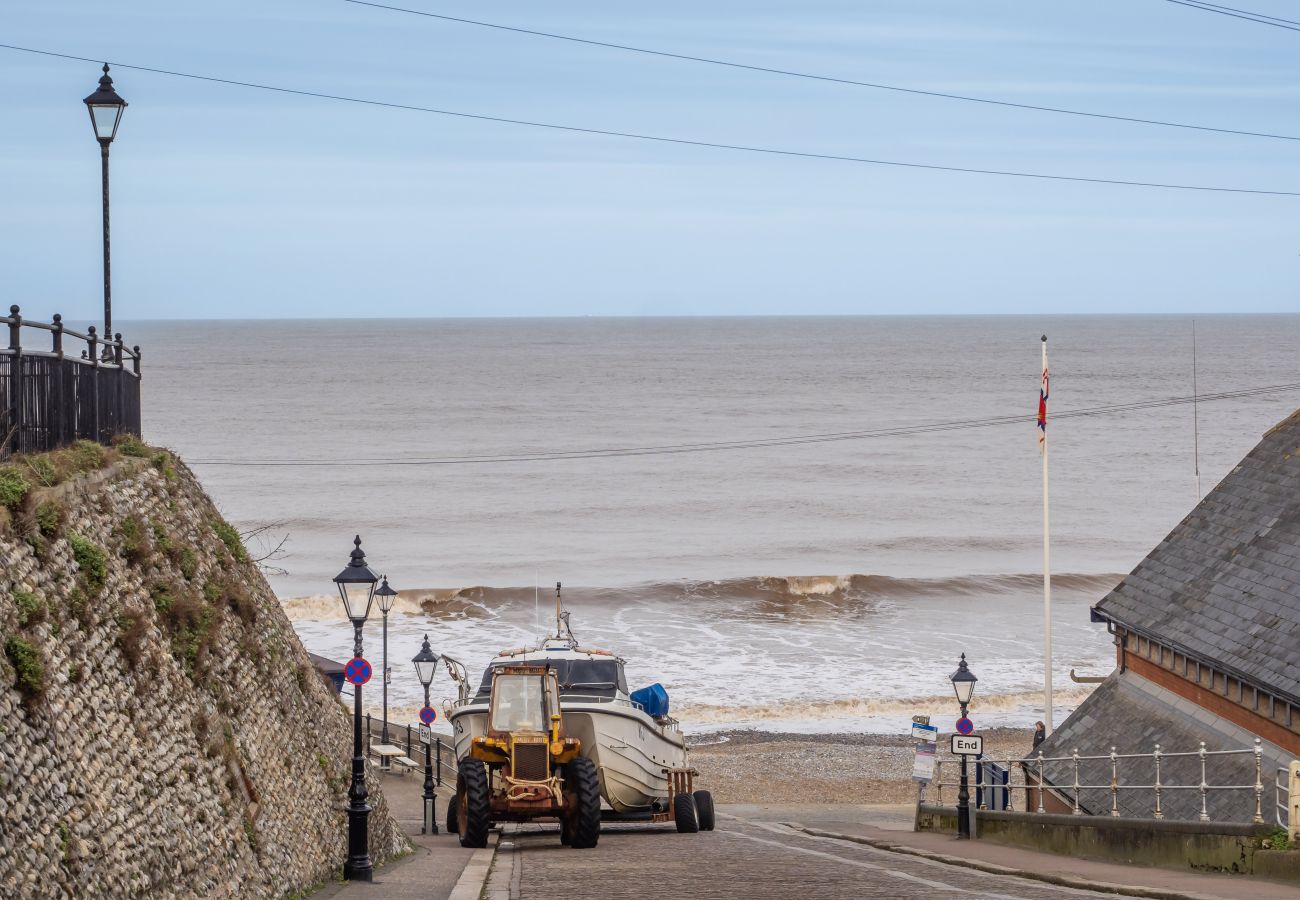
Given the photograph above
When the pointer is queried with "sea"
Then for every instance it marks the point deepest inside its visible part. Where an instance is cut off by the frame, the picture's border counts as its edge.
(793, 524)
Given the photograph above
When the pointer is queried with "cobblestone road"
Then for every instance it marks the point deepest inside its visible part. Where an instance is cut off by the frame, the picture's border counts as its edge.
(742, 859)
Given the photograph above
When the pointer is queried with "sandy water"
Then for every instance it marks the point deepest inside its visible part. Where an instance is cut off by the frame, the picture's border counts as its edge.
(817, 585)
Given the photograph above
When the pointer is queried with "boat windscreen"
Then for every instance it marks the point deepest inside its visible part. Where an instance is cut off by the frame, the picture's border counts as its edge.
(587, 677)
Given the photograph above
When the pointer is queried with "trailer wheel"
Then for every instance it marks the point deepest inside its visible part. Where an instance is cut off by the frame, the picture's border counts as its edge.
(473, 817)
(684, 814)
(704, 809)
(583, 826)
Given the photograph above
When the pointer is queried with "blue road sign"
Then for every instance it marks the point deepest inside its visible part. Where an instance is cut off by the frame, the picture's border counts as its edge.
(428, 716)
(357, 671)
(965, 726)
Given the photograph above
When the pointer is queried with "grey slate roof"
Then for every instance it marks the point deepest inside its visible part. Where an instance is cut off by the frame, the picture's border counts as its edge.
(1225, 584)
(1133, 715)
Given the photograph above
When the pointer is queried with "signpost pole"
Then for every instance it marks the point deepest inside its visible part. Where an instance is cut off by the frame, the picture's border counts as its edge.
(963, 797)
(430, 813)
(358, 866)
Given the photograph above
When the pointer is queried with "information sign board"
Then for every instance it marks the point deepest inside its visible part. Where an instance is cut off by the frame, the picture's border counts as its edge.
(923, 763)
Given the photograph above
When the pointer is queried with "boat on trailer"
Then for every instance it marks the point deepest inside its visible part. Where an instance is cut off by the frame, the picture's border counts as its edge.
(638, 750)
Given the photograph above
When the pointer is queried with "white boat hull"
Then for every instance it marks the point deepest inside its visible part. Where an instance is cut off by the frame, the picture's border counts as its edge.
(630, 750)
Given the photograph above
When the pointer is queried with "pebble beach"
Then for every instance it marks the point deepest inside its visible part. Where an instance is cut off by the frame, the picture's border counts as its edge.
(768, 767)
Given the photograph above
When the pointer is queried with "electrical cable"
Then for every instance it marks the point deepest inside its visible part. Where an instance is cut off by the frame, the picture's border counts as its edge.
(686, 142)
(1259, 18)
(827, 78)
(756, 443)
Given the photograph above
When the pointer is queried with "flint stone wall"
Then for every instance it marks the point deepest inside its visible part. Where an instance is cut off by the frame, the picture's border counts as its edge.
(180, 745)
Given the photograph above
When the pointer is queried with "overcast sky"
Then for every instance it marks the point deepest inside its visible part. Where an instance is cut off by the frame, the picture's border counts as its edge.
(233, 202)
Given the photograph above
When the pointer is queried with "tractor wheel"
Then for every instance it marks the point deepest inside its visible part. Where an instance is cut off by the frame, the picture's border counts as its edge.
(452, 828)
(704, 809)
(684, 814)
(473, 817)
(583, 827)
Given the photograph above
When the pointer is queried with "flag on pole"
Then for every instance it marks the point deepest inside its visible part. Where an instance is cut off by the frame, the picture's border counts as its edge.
(1042, 403)
(1047, 542)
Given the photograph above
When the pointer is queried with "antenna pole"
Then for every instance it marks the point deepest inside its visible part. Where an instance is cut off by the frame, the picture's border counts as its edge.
(1196, 425)
(557, 609)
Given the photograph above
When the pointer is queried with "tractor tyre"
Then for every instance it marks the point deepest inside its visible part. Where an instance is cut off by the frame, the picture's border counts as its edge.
(704, 809)
(684, 814)
(473, 815)
(583, 827)
(452, 828)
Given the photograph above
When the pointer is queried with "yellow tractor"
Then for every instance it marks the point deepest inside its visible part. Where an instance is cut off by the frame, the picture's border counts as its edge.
(524, 768)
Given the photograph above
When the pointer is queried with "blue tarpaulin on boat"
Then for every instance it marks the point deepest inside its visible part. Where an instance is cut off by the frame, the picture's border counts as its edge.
(653, 699)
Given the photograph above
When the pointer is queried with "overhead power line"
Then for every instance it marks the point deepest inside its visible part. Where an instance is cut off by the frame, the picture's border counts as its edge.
(731, 64)
(1288, 24)
(754, 444)
(685, 142)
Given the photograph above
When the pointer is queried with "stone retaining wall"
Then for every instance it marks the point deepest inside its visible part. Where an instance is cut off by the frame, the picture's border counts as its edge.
(1205, 846)
(162, 733)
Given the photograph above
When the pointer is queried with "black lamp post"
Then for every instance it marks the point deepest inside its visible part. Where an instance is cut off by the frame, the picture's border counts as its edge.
(963, 683)
(426, 664)
(356, 585)
(105, 113)
(386, 596)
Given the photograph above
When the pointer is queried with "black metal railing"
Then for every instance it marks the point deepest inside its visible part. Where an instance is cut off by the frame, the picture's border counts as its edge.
(52, 397)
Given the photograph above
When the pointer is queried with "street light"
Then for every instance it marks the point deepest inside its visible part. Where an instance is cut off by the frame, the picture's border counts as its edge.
(426, 664)
(963, 685)
(356, 585)
(105, 108)
(386, 597)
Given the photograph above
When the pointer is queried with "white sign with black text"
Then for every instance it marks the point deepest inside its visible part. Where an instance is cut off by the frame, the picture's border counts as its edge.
(426, 737)
(967, 744)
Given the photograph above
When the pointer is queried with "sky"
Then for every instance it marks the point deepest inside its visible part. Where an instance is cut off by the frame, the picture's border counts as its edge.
(231, 202)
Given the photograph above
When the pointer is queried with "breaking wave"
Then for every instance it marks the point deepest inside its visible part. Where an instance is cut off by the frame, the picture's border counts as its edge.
(791, 592)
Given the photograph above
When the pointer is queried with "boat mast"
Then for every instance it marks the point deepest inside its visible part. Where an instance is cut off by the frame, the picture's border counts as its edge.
(557, 610)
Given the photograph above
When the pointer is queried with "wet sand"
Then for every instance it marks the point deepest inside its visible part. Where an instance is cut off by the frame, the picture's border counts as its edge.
(766, 767)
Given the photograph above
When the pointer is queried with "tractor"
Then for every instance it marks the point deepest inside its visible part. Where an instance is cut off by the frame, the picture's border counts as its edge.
(524, 768)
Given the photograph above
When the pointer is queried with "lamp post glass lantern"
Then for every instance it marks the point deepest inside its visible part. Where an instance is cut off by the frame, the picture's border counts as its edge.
(356, 584)
(426, 665)
(386, 597)
(105, 107)
(963, 685)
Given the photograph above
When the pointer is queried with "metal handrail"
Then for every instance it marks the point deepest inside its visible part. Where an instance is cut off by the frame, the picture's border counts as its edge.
(1070, 793)
(114, 350)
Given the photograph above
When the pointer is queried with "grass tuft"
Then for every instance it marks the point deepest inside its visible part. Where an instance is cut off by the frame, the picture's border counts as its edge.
(90, 560)
(29, 669)
(49, 518)
(31, 609)
(230, 537)
(13, 488)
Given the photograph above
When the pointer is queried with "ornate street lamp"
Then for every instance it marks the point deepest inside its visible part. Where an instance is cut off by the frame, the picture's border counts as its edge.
(105, 108)
(963, 685)
(386, 597)
(356, 585)
(426, 664)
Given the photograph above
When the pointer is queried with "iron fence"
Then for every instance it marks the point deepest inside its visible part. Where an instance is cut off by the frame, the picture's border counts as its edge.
(1033, 783)
(52, 397)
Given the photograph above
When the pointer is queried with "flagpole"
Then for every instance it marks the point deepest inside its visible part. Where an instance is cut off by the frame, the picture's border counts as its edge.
(1047, 568)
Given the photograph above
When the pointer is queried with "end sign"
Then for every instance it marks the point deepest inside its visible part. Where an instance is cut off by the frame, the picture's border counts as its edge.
(967, 745)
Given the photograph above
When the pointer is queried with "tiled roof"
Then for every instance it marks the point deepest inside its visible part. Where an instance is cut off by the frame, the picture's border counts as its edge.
(1225, 584)
(1133, 715)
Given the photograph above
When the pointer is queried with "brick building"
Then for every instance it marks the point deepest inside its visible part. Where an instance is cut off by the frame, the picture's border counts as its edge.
(1207, 641)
